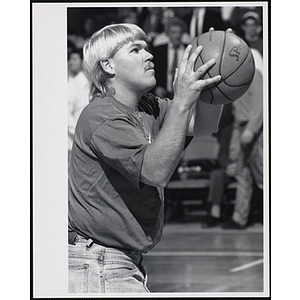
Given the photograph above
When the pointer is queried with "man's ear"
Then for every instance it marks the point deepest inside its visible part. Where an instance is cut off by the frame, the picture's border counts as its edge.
(259, 29)
(107, 66)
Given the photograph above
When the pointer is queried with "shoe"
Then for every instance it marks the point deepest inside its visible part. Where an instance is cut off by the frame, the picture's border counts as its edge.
(233, 225)
(211, 222)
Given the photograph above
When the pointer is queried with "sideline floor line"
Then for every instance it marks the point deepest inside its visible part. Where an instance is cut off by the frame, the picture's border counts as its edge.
(246, 266)
(198, 253)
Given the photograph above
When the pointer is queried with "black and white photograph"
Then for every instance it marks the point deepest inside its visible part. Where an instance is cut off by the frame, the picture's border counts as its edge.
(151, 149)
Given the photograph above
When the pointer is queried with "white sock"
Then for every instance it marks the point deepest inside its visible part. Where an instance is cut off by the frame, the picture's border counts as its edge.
(216, 211)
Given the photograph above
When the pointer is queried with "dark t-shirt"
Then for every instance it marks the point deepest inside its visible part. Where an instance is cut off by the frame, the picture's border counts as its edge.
(107, 201)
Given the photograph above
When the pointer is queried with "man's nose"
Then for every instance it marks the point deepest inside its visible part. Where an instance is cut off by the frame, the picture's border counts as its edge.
(149, 55)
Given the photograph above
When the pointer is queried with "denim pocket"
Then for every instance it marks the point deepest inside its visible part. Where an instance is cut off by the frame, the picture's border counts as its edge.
(123, 278)
(78, 278)
(119, 269)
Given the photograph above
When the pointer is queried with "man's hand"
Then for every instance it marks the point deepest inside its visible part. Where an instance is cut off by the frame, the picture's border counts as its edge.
(188, 83)
(246, 137)
(231, 169)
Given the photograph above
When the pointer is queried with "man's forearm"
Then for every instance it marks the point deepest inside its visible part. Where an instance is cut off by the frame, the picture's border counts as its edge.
(164, 153)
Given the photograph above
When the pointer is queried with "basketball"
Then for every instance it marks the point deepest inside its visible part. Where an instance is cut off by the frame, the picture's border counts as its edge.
(234, 62)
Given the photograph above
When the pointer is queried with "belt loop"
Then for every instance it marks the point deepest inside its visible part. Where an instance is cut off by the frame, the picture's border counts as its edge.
(88, 244)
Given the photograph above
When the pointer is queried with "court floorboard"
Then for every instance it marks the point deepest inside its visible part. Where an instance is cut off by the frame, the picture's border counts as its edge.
(192, 259)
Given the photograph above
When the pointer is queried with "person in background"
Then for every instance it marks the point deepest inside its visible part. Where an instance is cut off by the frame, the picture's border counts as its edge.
(78, 92)
(203, 18)
(219, 178)
(246, 148)
(127, 145)
(235, 22)
(163, 38)
(128, 15)
(167, 58)
(151, 21)
(251, 25)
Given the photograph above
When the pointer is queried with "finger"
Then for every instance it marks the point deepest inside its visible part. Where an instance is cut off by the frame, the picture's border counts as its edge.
(229, 30)
(175, 76)
(210, 81)
(193, 57)
(185, 57)
(211, 29)
(204, 68)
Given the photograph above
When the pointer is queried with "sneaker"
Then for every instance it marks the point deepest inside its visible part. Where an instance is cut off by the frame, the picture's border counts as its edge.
(233, 225)
(211, 222)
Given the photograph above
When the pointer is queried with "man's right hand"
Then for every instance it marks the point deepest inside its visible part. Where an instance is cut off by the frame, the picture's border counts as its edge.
(188, 83)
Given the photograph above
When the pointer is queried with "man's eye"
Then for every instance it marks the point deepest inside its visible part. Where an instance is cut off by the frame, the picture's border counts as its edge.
(135, 50)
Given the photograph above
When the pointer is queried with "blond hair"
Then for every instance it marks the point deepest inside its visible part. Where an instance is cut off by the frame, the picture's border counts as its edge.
(104, 44)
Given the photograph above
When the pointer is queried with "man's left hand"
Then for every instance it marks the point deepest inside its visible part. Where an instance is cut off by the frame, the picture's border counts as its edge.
(246, 137)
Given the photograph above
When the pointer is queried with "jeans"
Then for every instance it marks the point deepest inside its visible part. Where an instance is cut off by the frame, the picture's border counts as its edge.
(249, 171)
(98, 269)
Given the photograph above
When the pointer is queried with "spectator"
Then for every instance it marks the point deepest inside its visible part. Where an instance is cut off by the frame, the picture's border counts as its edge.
(226, 13)
(204, 18)
(246, 150)
(89, 27)
(70, 47)
(163, 37)
(236, 17)
(167, 58)
(219, 179)
(150, 21)
(251, 25)
(83, 22)
(128, 15)
(78, 91)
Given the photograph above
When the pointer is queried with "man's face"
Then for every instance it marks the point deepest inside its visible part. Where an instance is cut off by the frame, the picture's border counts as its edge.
(75, 63)
(175, 33)
(250, 27)
(134, 68)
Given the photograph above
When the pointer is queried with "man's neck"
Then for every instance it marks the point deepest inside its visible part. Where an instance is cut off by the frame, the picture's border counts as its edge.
(128, 98)
(251, 38)
(73, 74)
(174, 46)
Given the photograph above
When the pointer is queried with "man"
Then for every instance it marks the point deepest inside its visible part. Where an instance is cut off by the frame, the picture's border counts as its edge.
(246, 148)
(218, 177)
(167, 57)
(78, 92)
(251, 25)
(203, 18)
(127, 146)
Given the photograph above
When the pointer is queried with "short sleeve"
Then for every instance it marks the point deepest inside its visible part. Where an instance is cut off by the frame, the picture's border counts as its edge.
(120, 143)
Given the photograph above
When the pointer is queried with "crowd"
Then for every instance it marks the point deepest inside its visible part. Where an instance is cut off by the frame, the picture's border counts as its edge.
(169, 30)
(245, 21)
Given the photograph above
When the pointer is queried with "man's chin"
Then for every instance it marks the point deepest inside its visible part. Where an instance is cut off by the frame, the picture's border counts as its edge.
(154, 83)
(152, 87)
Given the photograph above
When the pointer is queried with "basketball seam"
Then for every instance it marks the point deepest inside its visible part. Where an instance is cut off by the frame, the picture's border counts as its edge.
(208, 88)
(238, 86)
(221, 81)
(238, 66)
(236, 70)
(222, 57)
(217, 87)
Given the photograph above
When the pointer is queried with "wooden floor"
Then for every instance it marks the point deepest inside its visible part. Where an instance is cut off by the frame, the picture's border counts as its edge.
(190, 259)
